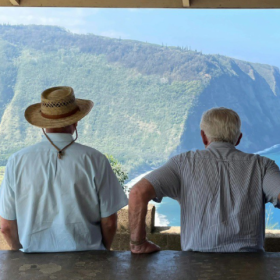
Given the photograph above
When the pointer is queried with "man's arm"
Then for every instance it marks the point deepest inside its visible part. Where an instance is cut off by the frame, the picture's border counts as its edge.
(10, 231)
(139, 197)
(109, 228)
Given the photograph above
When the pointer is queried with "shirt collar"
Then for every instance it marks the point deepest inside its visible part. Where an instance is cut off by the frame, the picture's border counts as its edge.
(58, 137)
(220, 145)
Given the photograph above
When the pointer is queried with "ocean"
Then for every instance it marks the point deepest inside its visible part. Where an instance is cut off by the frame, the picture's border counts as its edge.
(168, 211)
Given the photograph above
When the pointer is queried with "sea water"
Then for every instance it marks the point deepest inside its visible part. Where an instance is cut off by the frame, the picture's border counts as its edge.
(168, 211)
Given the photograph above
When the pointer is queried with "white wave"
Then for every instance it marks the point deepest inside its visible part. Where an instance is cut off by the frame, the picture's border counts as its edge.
(161, 220)
(268, 149)
(135, 180)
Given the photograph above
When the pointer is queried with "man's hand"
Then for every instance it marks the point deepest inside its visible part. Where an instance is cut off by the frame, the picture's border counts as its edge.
(145, 248)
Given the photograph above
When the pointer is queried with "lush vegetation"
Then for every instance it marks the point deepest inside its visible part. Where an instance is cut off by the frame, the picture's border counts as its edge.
(148, 98)
(141, 133)
(175, 63)
(119, 171)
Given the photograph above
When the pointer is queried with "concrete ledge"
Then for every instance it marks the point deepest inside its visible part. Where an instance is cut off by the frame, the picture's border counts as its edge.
(168, 238)
(104, 265)
(272, 241)
(123, 224)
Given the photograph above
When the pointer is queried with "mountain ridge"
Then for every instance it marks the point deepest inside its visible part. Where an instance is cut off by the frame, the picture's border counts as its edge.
(148, 98)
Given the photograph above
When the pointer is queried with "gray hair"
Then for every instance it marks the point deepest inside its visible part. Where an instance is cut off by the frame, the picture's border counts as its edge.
(221, 125)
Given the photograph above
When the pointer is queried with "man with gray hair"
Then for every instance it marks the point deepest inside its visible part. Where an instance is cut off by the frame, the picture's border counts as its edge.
(222, 192)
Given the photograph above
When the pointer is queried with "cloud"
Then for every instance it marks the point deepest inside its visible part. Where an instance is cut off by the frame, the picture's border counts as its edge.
(76, 20)
(73, 19)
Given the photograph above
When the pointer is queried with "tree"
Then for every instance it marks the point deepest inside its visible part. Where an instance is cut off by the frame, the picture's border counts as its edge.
(119, 171)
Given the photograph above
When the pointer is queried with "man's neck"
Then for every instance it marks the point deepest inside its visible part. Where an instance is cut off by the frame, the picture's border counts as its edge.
(59, 130)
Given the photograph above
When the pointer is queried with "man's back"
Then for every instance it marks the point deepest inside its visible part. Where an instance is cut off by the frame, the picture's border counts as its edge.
(60, 202)
(222, 192)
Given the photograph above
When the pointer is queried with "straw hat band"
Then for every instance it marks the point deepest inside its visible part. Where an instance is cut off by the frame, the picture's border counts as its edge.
(56, 117)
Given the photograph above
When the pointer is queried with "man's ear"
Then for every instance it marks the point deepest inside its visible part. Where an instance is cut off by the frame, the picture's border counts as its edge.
(204, 138)
(239, 139)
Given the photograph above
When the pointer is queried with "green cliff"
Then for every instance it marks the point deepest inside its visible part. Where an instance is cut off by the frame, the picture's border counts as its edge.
(148, 98)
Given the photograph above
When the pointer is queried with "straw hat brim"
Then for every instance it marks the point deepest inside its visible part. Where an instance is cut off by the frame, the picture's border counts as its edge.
(34, 117)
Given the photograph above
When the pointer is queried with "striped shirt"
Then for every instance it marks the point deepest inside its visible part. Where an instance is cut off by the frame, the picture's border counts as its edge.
(222, 192)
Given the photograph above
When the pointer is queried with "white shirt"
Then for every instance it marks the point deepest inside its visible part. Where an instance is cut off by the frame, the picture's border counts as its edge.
(59, 203)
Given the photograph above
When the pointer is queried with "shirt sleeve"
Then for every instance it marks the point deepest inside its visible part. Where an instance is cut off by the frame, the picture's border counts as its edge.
(271, 183)
(166, 180)
(111, 195)
(7, 196)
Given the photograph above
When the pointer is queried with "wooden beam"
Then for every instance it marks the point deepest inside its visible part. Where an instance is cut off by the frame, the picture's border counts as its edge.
(194, 4)
(186, 3)
(5, 3)
(232, 4)
(15, 2)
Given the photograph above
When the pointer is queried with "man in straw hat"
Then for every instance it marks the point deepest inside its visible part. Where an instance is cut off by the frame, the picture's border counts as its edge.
(59, 195)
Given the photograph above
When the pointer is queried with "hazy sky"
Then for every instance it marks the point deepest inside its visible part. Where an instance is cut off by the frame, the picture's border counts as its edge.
(252, 35)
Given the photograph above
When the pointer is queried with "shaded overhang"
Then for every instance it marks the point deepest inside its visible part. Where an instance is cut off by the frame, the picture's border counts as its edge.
(196, 4)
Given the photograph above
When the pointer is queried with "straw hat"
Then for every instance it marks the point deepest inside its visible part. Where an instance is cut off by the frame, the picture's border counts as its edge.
(58, 108)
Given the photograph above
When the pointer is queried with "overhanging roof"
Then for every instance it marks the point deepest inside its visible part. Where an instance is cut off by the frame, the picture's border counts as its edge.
(265, 4)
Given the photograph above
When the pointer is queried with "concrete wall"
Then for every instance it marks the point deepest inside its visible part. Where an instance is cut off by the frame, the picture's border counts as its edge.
(3, 244)
(168, 238)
